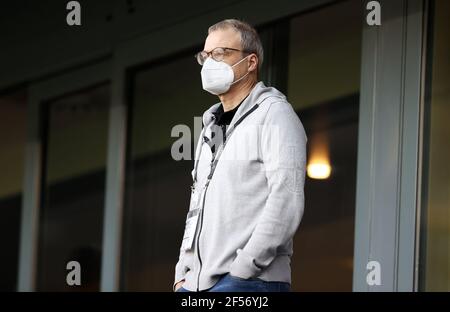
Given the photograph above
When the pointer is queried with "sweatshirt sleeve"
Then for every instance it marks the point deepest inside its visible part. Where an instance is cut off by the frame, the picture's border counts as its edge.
(180, 269)
(283, 152)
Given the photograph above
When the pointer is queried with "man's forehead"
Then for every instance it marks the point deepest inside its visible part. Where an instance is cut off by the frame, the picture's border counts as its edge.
(225, 38)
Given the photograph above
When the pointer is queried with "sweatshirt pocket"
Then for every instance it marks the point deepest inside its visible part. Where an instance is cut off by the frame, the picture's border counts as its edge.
(244, 266)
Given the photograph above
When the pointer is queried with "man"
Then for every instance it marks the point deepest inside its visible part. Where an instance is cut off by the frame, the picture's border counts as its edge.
(244, 209)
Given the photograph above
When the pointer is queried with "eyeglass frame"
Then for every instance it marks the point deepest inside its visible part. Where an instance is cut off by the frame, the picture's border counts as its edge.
(210, 53)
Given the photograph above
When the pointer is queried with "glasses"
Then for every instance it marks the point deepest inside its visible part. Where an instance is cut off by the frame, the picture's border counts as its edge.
(217, 54)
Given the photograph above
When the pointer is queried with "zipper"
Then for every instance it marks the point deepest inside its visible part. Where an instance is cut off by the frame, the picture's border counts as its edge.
(199, 233)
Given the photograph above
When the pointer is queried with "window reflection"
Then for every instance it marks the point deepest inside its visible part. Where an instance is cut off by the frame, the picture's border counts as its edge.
(323, 86)
(12, 153)
(74, 189)
(435, 223)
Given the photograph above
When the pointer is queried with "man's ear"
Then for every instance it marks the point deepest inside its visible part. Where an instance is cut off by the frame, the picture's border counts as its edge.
(253, 62)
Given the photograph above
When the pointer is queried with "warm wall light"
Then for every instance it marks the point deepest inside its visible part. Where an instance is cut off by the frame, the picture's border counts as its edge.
(319, 156)
(319, 171)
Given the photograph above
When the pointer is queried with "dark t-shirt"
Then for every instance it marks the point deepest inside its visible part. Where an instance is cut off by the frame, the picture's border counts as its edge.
(222, 119)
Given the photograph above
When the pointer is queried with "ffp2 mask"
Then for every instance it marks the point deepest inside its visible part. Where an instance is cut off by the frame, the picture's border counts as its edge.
(217, 77)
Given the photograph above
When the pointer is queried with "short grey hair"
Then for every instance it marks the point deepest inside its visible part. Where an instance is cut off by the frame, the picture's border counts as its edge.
(250, 40)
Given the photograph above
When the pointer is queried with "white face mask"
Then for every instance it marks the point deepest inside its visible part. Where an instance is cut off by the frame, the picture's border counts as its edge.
(217, 77)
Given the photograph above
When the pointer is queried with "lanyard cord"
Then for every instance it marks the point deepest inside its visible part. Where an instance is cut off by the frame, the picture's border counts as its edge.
(221, 147)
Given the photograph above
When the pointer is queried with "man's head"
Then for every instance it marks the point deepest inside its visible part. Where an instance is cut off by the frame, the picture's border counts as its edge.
(231, 41)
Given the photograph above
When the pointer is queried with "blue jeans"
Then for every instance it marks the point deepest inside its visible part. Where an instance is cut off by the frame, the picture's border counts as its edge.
(229, 283)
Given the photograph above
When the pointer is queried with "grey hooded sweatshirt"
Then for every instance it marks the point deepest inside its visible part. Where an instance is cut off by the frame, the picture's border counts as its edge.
(250, 208)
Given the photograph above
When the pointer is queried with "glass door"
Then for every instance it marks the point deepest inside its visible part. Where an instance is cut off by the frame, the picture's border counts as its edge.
(323, 86)
(73, 188)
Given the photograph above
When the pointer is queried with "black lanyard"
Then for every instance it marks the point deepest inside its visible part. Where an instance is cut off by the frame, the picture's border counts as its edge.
(221, 147)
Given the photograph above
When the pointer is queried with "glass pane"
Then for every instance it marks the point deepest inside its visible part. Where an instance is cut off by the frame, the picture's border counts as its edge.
(323, 86)
(12, 153)
(74, 189)
(435, 234)
(158, 187)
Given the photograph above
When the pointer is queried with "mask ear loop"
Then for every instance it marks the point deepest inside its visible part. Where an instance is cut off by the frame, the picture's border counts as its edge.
(240, 78)
(248, 72)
